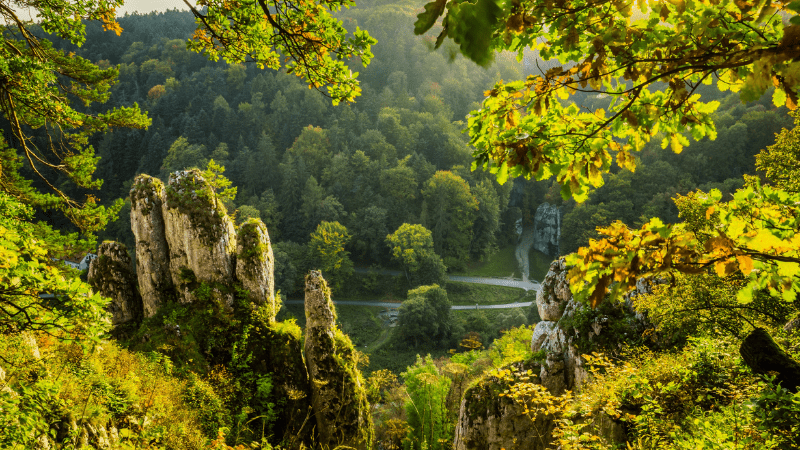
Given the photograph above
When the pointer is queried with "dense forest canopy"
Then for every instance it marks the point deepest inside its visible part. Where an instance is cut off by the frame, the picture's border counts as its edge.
(259, 103)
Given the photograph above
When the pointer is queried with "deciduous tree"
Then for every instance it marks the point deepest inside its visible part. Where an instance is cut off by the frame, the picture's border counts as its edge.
(327, 253)
(303, 37)
(449, 212)
(412, 247)
(618, 48)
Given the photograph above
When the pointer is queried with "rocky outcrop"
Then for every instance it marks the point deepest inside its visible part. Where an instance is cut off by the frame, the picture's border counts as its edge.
(554, 293)
(568, 330)
(547, 229)
(488, 421)
(152, 254)
(111, 275)
(200, 235)
(338, 396)
(255, 264)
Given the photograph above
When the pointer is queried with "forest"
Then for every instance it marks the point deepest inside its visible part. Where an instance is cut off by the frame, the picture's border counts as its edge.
(388, 191)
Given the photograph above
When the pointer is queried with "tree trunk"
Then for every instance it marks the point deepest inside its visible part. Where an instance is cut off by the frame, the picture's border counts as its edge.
(763, 355)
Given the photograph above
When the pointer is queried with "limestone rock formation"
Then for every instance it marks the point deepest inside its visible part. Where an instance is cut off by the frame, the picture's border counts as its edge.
(200, 235)
(152, 253)
(111, 274)
(568, 325)
(338, 396)
(568, 330)
(276, 350)
(487, 421)
(554, 293)
(255, 264)
(547, 229)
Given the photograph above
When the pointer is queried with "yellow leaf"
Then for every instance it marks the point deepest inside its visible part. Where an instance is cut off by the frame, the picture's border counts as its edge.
(745, 264)
(718, 243)
(709, 211)
(725, 268)
(594, 175)
(677, 147)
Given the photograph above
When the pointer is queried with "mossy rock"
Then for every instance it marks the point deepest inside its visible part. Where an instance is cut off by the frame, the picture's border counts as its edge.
(248, 237)
(275, 349)
(191, 195)
(146, 192)
(483, 397)
(338, 373)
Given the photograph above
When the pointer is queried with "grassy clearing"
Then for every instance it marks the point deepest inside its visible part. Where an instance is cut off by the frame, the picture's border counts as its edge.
(539, 265)
(501, 264)
(484, 294)
(491, 314)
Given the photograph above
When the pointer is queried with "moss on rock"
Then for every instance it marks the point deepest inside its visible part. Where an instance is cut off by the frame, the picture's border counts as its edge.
(338, 395)
(255, 264)
(147, 192)
(190, 193)
(489, 421)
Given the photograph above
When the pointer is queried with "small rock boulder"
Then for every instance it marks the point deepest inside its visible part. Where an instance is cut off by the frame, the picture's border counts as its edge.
(111, 274)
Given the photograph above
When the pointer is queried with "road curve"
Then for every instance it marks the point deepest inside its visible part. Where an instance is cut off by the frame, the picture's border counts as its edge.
(397, 304)
(507, 282)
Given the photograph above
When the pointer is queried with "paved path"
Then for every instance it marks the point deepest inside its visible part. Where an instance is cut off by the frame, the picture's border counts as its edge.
(397, 305)
(507, 282)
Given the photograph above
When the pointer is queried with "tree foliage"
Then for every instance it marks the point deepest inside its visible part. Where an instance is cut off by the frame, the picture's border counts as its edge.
(412, 247)
(449, 212)
(327, 252)
(620, 49)
(38, 293)
(313, 43)
(39, 85)
(431, 426)
(425, 315)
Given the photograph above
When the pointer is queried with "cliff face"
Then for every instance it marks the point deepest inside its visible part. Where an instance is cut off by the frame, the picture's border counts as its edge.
(547, 229)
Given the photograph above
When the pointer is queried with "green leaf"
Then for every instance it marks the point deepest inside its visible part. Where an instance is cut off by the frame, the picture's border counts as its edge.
(779, 97)
(427, 18)
(502, 173)
(472, 25)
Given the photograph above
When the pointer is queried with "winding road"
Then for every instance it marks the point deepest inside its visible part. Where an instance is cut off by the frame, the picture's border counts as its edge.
(522, 249)
(507, 282)
(397, 304)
